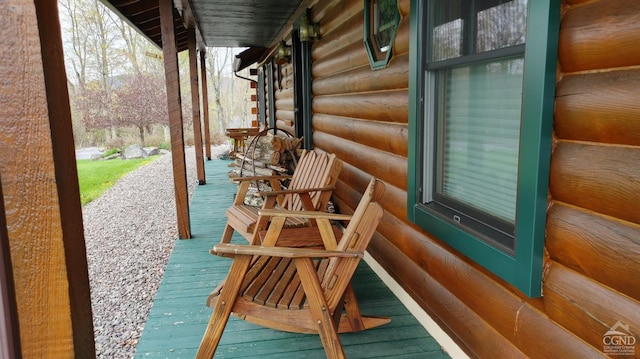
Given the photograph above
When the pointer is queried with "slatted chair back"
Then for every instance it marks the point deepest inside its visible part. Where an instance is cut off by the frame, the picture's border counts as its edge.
(314, 170)
(310, 188)
(355, 239)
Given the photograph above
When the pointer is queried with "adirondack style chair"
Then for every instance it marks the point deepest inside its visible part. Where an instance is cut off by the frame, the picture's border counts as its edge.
(310, 189)
(302, 288)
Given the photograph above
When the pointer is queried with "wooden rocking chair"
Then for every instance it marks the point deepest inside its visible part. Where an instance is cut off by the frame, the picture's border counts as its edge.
(310, 189)
(298, 289)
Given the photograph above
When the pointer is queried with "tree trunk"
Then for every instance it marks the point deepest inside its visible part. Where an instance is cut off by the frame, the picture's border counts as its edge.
(167, 134)
(141, 130)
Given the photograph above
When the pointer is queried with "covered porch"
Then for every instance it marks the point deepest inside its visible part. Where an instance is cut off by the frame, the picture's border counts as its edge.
(179, 316)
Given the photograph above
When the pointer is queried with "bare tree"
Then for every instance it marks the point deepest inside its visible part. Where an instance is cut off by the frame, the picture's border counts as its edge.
(219, 59)
(140, 101)
(102, 42)
(75, 27)
(91, 38)
(132, 41)
(93, 103)
(104, 55)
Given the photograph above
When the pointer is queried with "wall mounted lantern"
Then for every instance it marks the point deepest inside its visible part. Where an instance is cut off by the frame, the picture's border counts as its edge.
(308, 31)
(283, 53)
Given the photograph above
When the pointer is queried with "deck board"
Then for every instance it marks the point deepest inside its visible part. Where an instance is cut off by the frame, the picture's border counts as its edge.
(179, 315)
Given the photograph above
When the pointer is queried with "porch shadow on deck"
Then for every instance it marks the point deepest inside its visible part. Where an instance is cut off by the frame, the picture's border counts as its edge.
(179, 316)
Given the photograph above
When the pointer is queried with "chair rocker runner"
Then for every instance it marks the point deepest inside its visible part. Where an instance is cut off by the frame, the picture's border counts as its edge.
(310, 189)
(298, 289)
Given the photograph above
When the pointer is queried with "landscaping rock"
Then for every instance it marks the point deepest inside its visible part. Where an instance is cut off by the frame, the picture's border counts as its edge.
(151, 151)
(113, 156)
(133, 152)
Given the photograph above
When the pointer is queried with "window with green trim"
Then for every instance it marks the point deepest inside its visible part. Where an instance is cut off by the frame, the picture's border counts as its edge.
(474, 72)
(481, 107)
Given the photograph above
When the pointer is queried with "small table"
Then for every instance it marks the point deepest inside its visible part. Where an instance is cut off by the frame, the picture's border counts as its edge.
(239, 135)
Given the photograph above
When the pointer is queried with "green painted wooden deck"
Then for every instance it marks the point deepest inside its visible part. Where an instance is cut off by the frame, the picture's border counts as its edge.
(179, 315)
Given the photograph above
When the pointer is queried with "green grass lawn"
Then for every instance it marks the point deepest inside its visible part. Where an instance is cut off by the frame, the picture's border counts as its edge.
(95, 177)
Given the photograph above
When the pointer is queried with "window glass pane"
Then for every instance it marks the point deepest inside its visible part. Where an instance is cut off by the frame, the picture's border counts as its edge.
(385, 23)
(466, 27)
(478, 136)
(502, 25)
(446, 33)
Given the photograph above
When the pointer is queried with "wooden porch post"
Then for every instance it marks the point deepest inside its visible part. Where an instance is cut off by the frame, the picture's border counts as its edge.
(205, 103)
(195, 104)
(9, 326)
(40, 185)
(172, 74)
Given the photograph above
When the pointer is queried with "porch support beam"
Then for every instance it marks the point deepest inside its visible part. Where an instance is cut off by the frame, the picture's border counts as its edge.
(172, 75)
(195, 104)
(205, 102)
(9, 326)
(40, 186)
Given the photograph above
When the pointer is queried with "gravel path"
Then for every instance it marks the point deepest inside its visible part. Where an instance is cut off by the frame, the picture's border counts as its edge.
(129, 233)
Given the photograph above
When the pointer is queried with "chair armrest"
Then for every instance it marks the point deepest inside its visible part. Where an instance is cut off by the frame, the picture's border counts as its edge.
(304, 214)
(231, 250)
(259, 178)
(293, 191)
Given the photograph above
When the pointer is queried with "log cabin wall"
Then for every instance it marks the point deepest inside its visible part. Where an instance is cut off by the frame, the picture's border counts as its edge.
(285, 115)
(593, 223)
(592, 266)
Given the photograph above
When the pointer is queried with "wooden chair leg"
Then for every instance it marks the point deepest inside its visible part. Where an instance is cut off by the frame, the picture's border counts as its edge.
(221, 312)
(353, 310)
(227, 234)
(319, 308)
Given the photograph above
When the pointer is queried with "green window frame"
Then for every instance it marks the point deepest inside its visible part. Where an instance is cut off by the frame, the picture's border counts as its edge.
(507, 237)
(381, 19)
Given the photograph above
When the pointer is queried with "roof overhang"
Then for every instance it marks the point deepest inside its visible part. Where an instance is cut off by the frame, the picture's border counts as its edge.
(247, 58)
(144, 16)
(219, 23)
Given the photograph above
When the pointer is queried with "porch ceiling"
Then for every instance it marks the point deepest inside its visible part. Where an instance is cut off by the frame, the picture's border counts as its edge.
(242, 23)
(221, 23)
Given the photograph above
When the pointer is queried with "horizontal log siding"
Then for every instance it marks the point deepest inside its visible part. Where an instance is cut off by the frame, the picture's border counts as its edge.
(586, 241)
(585, 306)
(285, 115)
(390, 106)
(389, 137)
(384, 165)
(361, 115)
(333, 14)
(601, 178)
(593, 224)
(599, 107)
(529, 331)
(600, 35)
(362, 79)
